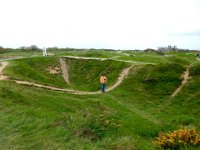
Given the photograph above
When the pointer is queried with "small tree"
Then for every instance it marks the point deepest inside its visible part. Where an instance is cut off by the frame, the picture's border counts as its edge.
(34, 47)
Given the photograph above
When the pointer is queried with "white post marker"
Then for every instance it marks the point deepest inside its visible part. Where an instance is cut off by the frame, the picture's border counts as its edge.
(44, 51)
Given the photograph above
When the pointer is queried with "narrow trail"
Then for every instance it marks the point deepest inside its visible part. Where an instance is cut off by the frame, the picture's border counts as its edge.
(184, 81)
(121, 77)
(101, 59)
(64, 68)
(2, 66)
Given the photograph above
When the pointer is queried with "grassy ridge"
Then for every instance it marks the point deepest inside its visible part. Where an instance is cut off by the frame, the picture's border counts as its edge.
(188, 100)
(36, 70)
(161, 80)
(154, 80)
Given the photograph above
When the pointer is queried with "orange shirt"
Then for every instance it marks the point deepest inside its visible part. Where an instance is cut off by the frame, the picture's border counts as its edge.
(103, 79)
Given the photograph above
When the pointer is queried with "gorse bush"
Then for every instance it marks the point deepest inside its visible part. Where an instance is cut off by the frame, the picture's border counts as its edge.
(179, 138)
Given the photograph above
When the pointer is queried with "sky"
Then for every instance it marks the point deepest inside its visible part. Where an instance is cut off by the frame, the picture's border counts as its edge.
(110, 24)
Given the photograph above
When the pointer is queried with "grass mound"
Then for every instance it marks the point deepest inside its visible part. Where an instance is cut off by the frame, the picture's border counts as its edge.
(36, 70)
(158, 80)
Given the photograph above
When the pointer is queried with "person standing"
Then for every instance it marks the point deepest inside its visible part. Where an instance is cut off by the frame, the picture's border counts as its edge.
(103, 82)
(44, 51)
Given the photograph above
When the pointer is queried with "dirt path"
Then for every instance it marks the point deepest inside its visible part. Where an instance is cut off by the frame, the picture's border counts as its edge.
(121, 77)
(64, 68)
(184, 81)
(2, 66)
(101, 59)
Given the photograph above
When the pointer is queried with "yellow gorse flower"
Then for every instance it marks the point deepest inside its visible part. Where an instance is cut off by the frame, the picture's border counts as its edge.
(179, 138)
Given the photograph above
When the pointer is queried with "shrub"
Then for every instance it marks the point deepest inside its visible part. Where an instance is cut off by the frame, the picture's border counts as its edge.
(97, 128)
(179, 138)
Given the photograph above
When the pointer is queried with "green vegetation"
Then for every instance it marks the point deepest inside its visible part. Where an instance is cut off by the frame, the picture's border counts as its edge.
(195, 69)
(8, 53)
(36, 70)
(84, 74)
(128, 117)
(155, 80)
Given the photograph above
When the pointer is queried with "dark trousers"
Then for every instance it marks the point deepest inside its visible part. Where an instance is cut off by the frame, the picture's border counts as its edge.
(103, 87)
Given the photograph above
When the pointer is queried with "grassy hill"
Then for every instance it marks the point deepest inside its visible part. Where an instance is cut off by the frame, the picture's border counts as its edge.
(83, 74)
(128, 117)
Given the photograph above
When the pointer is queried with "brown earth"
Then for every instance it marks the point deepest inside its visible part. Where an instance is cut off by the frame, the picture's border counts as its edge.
(184, 81)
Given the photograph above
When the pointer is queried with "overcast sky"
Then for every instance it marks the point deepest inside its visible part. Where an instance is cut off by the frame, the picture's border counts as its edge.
(116, 24)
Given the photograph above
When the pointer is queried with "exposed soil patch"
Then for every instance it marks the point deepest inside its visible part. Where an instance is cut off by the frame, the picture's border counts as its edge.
(54, 70)
(121, 77)
(184, 81)
(64, 68)
(2, 66)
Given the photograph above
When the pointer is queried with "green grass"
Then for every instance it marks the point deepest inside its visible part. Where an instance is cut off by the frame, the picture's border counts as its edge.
(83, 74)
(36, 70)
(40, 119)
(129, 117)
(92, 53)
(144, 57)
(20, 53)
